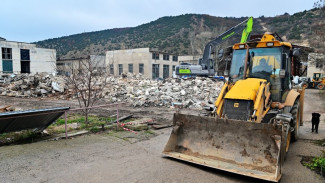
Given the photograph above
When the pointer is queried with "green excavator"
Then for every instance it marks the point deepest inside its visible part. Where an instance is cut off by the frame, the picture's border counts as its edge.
(206, 66)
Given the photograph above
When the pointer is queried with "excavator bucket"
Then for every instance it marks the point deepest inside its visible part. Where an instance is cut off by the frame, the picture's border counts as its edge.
(246, 148)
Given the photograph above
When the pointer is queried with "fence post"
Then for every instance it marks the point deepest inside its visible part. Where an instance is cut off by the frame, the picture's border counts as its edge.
(117, 121)
(65, 121)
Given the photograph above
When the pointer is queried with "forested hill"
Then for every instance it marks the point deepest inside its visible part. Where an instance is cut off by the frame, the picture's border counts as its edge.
(183, 34)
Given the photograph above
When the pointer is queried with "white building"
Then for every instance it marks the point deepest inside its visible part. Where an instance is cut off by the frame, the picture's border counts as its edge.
(151, 63)
(18, 57)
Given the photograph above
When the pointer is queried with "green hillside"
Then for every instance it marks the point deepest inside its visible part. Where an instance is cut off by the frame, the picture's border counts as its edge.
(183, 35)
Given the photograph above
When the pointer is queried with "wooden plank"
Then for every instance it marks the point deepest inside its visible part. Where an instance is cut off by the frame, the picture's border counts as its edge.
(161, 126)
(61, 136)
(123, 118)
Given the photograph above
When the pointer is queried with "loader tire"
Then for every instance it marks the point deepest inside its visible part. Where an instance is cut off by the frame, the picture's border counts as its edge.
(304, 85)
(295, 110)
(320, 86)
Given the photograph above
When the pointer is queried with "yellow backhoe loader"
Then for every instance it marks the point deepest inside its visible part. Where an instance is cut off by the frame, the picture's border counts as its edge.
(318, 81)
(255, 117)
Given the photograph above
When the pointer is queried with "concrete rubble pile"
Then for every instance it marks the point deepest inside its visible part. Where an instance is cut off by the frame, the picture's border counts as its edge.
(31, 85)
(137, 91)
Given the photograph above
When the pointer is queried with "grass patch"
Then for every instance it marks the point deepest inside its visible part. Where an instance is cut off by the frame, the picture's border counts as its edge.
(150, 132)
(316, 164)
(75, 123)
(76, 118)
(94, 129)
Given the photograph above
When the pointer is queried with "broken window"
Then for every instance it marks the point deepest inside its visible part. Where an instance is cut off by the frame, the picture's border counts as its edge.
(6, 53)
(24, 61)
(111, 69)
(131, 68)
(319, 63)
(24, 54)
(155, 71)
(174, 67)
(155, 56)
(25, 66)
(141, 68)
(120, 69)
(175, 58)
(165, 71)
(166, 57)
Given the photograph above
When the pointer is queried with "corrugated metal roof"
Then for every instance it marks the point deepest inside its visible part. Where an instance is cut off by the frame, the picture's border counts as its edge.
(38, 119)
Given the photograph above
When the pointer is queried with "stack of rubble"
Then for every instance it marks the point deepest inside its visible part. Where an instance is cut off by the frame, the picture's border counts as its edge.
(7, 108)
(191, 93)
(31, 85)
(133, 89)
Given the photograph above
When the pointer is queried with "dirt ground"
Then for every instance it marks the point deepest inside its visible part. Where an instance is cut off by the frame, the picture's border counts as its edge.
(106, 158)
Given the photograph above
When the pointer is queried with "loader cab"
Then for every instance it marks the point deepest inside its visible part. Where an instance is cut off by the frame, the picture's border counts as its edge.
(317, 76)
(268, 59)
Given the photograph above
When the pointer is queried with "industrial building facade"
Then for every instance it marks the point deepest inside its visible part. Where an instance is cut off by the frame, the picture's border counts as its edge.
(18, 57)
(75, 65)
(151, 63)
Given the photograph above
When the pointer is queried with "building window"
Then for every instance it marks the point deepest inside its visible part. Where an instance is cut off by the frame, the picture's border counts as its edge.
(24, 61)
(6, 53)
(111, 69)
(155, 71)
(175, 58)
(7, 66)
(166, 57)
(165, 71)
(319, 64)
(120, 69)
(141, 70)
(174, 67)
(155, 56)
(131, 68)
(24, 55)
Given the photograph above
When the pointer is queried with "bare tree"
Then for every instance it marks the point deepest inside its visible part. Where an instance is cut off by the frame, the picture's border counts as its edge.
(88, 78)
(319, 4)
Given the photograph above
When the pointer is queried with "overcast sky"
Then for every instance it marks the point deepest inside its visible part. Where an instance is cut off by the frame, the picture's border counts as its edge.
(35, 20)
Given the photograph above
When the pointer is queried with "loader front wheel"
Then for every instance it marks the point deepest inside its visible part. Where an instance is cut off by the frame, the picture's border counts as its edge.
(295, 111)
(304, 85)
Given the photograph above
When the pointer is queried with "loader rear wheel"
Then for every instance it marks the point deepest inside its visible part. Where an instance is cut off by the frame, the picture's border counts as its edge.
(295, 111)
(320, 86)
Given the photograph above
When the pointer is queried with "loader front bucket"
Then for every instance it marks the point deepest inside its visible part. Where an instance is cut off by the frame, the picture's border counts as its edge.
(246, 148)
